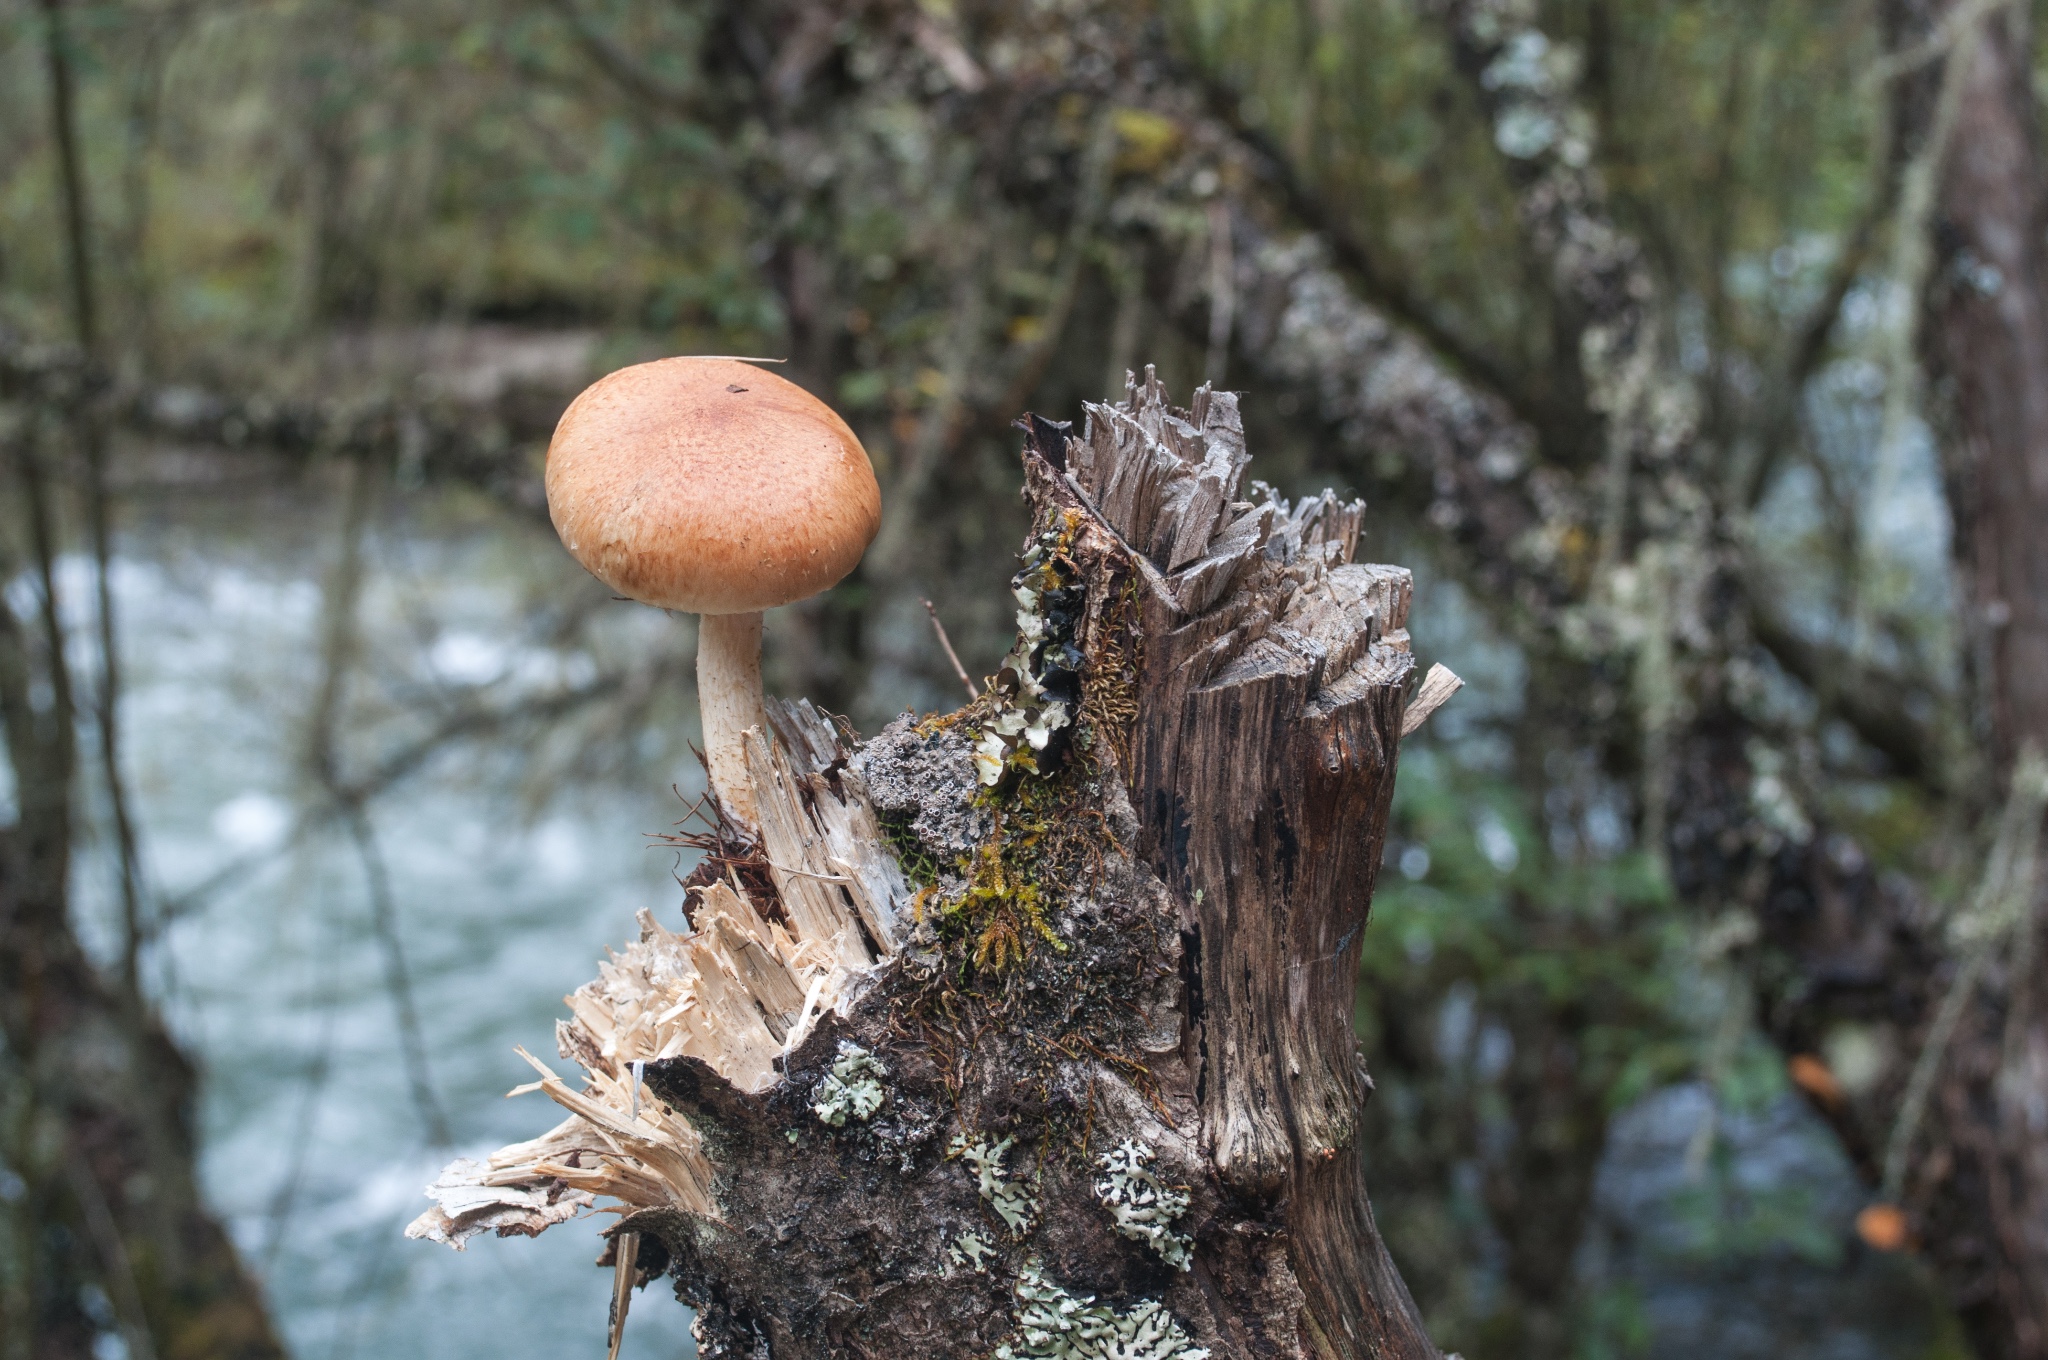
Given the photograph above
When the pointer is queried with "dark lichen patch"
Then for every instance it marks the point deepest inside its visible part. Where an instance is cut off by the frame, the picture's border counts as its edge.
(869, 1205)
(919, 867)
(1036, 692)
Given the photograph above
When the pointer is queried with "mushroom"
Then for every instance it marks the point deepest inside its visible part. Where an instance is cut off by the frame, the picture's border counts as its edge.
(718, 488)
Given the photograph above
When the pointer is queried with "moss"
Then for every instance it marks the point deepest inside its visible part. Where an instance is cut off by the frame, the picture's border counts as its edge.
(1109, 684)
(1004, 905)
(919, 866)
(1027, 923)
(1038, 763)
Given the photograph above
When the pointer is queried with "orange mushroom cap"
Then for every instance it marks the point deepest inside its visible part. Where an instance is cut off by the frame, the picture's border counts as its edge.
(710, 486)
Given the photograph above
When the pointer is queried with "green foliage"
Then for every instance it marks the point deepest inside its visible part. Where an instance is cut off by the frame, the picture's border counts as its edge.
(1736, 135)
(1490, 901)
(1511, 998)
(1612, 1325)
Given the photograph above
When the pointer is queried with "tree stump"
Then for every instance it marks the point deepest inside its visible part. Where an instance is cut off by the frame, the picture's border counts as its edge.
(1025, 1030)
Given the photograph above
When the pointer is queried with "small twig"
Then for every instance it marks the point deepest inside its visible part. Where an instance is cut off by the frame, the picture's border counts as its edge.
(951, 655)
(339, 642)
(806, 873)
(625, 1269)
(397, 976)
(285, 1200)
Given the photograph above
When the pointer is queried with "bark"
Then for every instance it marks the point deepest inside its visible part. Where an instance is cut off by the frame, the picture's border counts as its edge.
(1988, 337)
(1093, 1084)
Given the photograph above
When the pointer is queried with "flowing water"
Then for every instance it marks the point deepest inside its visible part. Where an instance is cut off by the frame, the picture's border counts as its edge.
(510, 858)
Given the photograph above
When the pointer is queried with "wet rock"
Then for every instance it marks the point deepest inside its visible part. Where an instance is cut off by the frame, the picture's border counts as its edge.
(1756, 1257)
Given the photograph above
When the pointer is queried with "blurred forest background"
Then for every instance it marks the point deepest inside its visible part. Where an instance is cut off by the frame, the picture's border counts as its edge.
(1680, 347)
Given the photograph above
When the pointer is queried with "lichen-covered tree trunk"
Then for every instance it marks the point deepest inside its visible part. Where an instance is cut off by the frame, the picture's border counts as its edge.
(1040, 1042)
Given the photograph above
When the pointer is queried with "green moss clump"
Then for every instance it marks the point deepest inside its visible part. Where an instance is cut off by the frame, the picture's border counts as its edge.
(917, 862)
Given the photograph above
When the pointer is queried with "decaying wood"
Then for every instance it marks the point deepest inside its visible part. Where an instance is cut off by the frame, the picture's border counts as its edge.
(1044, 1048)
(1433, 693)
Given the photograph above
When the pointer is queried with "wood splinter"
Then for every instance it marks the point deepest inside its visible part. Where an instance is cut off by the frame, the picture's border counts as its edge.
(1435, 691)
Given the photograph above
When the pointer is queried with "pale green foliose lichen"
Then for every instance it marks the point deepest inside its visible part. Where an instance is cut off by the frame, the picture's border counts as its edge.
(971, 1251)
(1143, 1206)
(852, 1087)
(1055, 1325)
(1009, 1199)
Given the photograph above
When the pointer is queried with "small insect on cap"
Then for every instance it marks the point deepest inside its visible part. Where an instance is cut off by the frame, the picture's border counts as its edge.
(710, 486)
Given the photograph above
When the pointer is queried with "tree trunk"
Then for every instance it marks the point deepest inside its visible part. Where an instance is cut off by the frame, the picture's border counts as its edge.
(1988, 337)
(1990, 340)
(99, 1109)
(1079, 1079)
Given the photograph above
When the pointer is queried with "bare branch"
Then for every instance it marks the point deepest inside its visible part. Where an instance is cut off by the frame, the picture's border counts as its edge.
(1850, 688)
(621, 67)
(1374, 280)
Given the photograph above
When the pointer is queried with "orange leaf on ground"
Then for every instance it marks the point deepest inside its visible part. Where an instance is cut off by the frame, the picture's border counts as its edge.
(1811, 1075)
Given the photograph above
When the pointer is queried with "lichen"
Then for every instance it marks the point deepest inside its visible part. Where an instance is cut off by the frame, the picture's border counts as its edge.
(1143, 1207)
(1053, 1324)
(1038, 687)
(918, 865)
(1012, 1201)
(852, 1087)
(971, 1251)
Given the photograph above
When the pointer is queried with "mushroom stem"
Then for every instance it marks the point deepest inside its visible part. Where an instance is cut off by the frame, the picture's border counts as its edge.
(728, 703)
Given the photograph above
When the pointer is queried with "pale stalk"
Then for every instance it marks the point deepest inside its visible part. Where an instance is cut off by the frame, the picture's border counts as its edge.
(729, 702)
